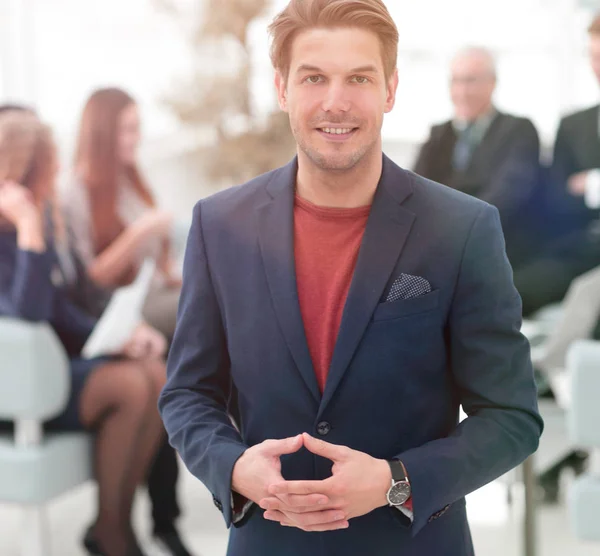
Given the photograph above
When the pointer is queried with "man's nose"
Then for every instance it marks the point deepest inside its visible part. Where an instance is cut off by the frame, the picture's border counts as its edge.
(336, 98)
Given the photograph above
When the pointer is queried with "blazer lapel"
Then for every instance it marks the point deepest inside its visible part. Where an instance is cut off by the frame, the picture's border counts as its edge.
(387, 229)
(276, 238)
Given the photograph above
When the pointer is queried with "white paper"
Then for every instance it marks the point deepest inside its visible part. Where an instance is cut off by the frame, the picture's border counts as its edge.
(122, 315)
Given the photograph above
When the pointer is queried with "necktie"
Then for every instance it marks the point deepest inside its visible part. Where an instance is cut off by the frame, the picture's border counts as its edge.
(463, 148)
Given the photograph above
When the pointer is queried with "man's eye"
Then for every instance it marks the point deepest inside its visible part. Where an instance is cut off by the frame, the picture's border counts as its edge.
(313, 78)
(361, 80)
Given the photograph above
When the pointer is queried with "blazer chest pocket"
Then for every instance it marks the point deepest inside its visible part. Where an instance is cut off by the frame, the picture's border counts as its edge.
(406, 307)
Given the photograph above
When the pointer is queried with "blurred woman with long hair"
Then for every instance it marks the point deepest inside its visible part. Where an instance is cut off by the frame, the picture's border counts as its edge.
(115, 223)
(113, 397)
(111, 210)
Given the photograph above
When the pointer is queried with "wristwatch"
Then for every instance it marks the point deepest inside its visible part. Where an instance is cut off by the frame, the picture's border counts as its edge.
(400, 491)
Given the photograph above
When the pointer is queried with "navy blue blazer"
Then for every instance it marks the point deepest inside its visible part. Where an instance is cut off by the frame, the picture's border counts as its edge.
(27, 291)
(400, 370)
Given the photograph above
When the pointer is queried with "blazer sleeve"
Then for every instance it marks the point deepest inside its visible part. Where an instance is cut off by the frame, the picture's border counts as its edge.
(27, 292)
(516, 177)
(26, 289)
(491, 367)
(193, 403)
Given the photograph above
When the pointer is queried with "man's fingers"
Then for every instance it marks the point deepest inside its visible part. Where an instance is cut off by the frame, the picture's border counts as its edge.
(318, 528)
(318, 447)
(304, 488)
(297, 503)
(283, 446)
(315, 521)
(327, 527)
(299, 500)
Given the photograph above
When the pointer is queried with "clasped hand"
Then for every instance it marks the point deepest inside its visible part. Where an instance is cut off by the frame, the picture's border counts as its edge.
(145, 343)
(358, 484)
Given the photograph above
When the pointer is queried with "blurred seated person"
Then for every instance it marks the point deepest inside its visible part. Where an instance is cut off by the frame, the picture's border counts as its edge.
(111, 212)
(115, 396)
(573, 259)
(488, 154)
(112, 218)
(573, 204)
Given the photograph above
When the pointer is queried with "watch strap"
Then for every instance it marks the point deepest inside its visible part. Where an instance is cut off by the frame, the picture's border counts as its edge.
(398, 471)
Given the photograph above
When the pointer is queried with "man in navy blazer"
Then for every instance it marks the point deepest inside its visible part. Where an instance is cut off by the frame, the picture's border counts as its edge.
(343, 309)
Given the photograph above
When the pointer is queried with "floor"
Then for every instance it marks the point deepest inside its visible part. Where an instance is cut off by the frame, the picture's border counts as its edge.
(495, 526)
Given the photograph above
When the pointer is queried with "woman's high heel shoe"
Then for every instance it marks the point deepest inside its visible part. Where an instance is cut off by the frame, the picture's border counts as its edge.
(93, 547)
(91, 544)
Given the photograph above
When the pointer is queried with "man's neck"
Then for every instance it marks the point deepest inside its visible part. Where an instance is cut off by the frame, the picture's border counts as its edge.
(347, 189)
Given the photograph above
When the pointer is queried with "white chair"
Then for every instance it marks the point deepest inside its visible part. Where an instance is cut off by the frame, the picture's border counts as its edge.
(583, 362)
(35, 466)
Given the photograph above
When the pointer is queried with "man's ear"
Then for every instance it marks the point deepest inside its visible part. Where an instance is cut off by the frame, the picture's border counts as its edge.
(281, 88)
(392, 87)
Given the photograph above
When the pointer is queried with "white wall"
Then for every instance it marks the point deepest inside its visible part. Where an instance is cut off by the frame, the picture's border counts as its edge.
(60, 50)
(78, 45)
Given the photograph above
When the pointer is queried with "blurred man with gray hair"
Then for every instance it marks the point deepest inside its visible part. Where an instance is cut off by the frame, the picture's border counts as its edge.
(486, 153)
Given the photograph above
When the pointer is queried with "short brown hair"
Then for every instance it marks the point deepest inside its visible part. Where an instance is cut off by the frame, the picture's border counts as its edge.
(594, 28)
(300, 15)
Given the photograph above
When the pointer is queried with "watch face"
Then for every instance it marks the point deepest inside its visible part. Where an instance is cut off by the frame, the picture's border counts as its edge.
(398, 494)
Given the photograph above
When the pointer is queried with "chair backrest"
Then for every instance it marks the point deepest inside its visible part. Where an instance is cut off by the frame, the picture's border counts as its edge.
(34, 371)
(583, 364)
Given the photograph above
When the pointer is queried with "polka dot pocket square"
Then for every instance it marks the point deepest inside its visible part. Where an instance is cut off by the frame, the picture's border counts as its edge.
(407, 286)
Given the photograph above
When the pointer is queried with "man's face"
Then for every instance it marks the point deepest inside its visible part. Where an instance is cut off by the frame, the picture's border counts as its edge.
(595, 55)
(472, 85)
(336, 95)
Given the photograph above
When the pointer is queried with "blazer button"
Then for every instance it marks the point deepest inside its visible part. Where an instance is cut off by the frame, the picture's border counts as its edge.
(323, 428)
(218, 504)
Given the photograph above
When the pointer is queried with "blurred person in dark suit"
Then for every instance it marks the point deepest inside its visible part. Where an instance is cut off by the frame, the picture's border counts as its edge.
(92, 298)
(573, 204)
(113, 397)
(488, 154)
(576, 161)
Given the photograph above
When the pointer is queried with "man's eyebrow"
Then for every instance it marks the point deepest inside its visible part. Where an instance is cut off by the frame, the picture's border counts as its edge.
(308, 67)
(361, 69)
(364, 69)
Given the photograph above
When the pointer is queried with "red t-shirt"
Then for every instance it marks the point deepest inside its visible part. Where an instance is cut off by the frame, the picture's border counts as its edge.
(326, 245)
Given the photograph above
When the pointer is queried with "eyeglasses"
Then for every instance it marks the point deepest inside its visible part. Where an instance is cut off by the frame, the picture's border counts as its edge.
(470, 80)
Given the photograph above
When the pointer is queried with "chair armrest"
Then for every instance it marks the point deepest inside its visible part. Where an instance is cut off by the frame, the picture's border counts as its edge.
(34, 371)
(583, 364)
